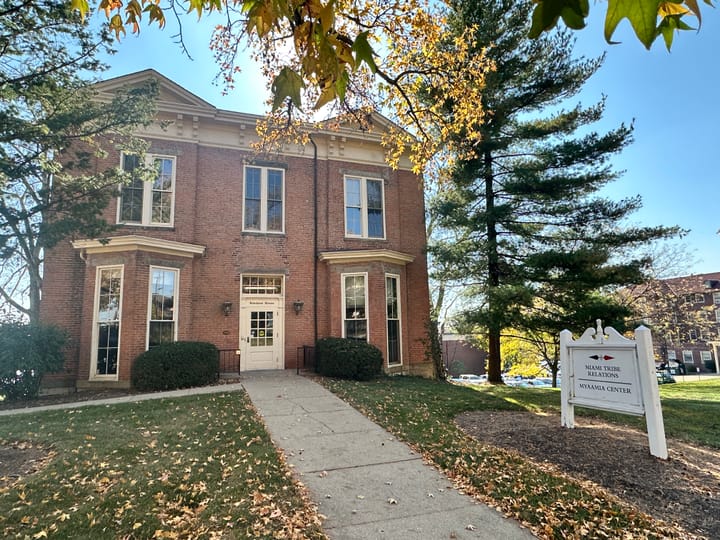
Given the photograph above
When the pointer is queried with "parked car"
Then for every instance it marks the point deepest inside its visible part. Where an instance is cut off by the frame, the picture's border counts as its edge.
(469, 378)
(663, 377)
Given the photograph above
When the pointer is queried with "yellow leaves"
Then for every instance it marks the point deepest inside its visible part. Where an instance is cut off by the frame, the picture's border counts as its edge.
(443, 101)
(668, 9)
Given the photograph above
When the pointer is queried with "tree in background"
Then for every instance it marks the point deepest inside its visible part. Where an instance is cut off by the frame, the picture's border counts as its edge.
(524, 207)
(50, 127)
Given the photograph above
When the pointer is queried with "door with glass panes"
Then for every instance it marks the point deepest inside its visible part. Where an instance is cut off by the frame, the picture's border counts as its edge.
(260, 334)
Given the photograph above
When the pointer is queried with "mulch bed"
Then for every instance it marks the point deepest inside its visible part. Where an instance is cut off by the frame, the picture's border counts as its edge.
(684, 490)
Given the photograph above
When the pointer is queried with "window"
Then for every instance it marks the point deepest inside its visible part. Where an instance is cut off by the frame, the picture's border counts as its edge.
(106, 329)
(264, 193)
(393, 320)
(717, 315)
(148, 202)
(693, 335)
(716, 298)
(705, 357)
(688, 357)
(355, 324)
(262, 285)
(162, 309)
(699, 298)
(671, 354)
(364, 216)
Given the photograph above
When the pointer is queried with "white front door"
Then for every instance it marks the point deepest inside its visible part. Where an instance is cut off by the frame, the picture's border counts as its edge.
(261, 340)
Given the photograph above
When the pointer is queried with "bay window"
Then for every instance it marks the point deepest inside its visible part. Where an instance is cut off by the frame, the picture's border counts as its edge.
(162, 309)
(355, 323)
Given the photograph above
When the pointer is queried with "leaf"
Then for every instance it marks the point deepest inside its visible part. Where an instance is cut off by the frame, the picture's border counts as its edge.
(364, 52)
(287, 84)
(547, 12)
(117, 26)
(81, 6)
(327, 16)
(642, 15)
(667, 9)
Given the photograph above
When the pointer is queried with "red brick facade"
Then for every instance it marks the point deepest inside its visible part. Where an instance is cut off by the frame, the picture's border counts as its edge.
(208, 251)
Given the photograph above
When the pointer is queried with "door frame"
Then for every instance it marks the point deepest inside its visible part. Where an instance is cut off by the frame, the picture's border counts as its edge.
(249, 298)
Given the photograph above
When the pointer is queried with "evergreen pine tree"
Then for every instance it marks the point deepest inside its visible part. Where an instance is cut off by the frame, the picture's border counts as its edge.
(525, 212)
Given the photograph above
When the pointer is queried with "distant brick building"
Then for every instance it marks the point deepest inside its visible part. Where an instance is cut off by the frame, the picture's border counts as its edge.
(461, 355)
(259, 256)
(684, 315)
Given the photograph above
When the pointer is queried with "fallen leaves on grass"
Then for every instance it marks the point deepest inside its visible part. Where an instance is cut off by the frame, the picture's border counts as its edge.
(552, 504)
(201, 467)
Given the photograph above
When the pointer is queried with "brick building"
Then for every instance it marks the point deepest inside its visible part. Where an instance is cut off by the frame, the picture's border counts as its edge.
(257, 255)
(684, 316)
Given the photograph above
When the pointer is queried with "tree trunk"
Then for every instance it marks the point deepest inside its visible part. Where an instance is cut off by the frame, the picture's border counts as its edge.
(494, 369)
(494, 361)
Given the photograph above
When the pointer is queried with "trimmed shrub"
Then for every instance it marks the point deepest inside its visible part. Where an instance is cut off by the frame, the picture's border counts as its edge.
(182, 364)
(347, 359)
(27, 352)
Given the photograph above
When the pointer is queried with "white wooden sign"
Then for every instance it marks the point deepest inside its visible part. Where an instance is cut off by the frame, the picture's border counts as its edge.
(604, 370)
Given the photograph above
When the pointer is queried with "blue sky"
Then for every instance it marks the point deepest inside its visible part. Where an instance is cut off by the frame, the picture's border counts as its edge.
(670, 97)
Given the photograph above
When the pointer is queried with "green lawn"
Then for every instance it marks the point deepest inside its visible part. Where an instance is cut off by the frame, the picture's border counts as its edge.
(195, 467)
(691, 412)
(421, 413)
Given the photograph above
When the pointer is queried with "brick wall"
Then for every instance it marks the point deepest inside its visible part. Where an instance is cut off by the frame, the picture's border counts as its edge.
(208, 212)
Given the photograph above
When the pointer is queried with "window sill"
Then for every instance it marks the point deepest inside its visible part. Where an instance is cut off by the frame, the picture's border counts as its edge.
(366, 238)
(264, 233)
(143, 227)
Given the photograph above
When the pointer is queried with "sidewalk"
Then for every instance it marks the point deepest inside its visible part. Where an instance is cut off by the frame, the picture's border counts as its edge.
(128, 399)
(366, 483)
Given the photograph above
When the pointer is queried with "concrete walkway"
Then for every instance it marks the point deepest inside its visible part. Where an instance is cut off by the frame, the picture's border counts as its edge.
(367, 484)
(131, 398)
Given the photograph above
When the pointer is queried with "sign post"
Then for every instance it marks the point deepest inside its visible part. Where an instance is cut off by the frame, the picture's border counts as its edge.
(604, 370)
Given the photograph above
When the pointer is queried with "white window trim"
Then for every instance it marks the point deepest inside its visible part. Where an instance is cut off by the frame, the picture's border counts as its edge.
(263, 198)
(363, 206)
(146, 220)
(176, 303)
(705, 356)
(684, 358)
(396, 277)
(367, 304)
(281, 294)
(95, 329)
(716, 298)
